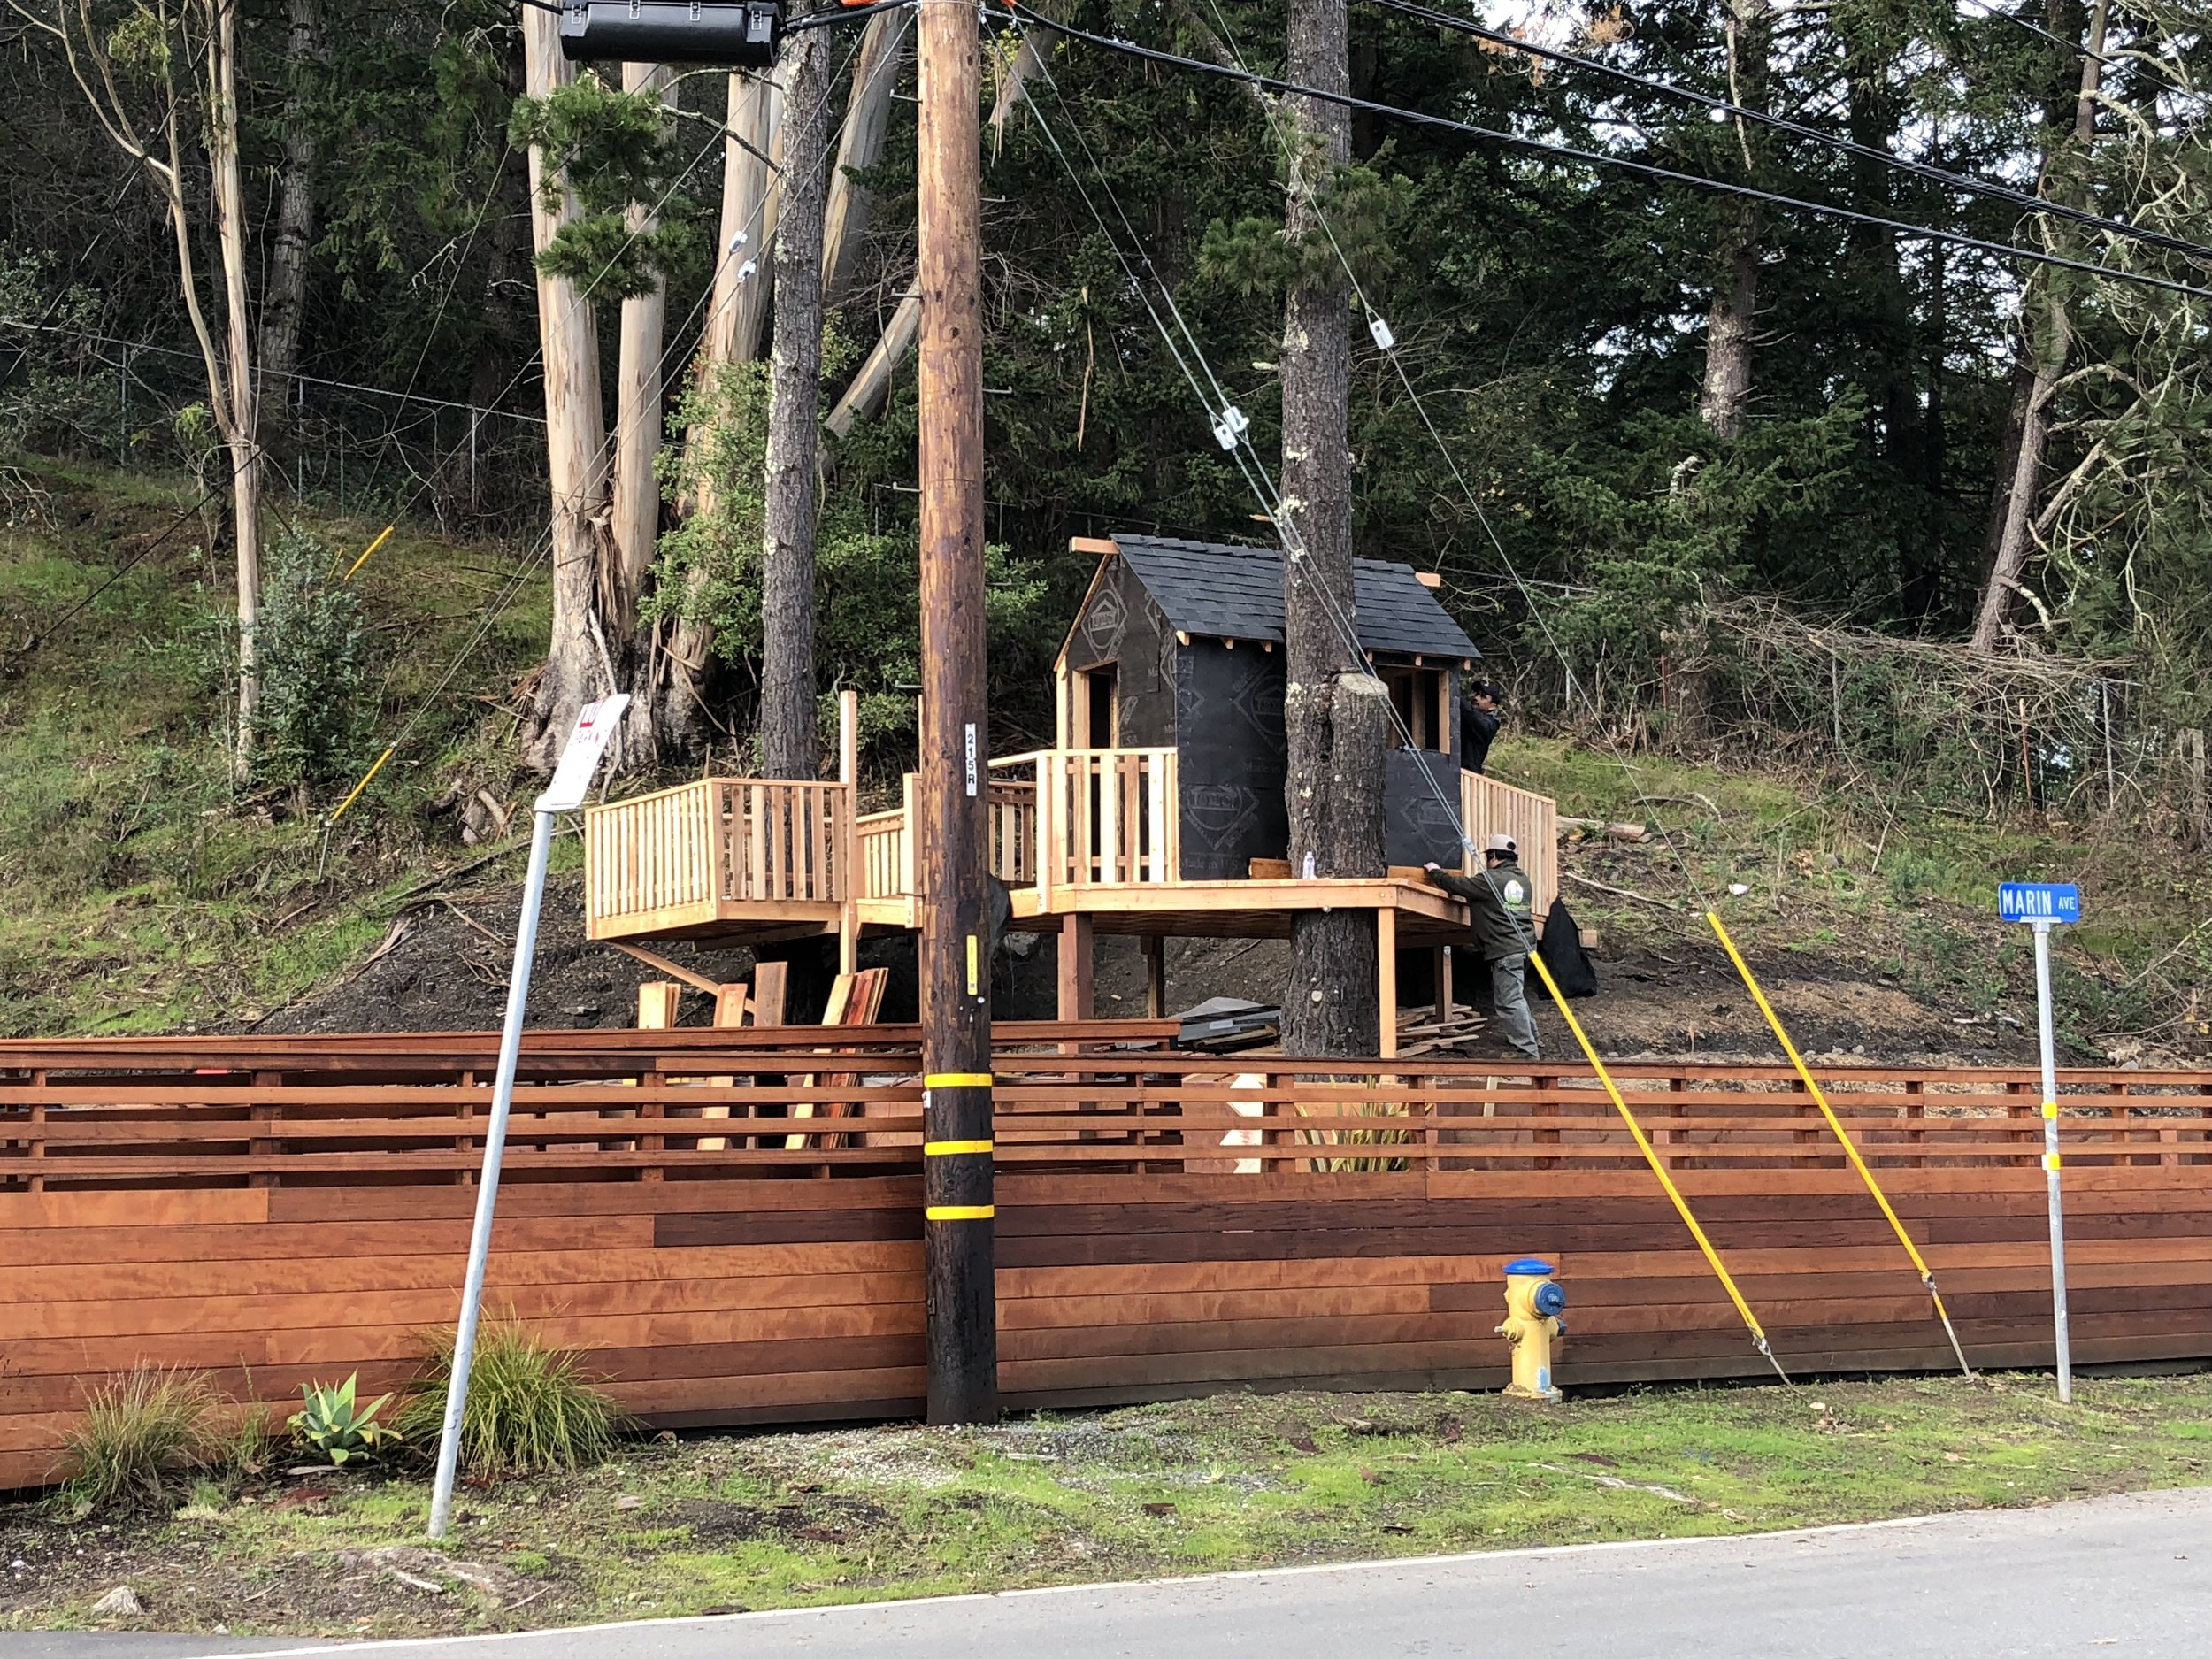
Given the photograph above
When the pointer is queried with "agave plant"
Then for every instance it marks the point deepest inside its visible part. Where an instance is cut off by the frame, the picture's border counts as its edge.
(331, 1423)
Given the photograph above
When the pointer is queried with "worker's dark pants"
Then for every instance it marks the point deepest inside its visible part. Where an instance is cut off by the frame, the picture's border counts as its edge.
(1509, 996)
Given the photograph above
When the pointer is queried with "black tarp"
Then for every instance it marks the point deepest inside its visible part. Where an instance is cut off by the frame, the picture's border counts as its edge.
(1560, 948)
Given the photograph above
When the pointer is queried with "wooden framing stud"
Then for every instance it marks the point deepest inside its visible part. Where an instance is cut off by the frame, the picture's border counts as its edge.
(1154, 977)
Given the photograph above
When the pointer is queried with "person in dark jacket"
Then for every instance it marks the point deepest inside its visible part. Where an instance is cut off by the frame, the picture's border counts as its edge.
(1479, 722)
(1500, 902)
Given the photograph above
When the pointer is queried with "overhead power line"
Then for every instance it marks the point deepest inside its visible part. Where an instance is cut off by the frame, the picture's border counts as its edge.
(1990, 187)
(1600, 158)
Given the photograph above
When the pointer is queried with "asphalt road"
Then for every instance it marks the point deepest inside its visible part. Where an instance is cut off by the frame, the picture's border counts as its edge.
(2130, 1574)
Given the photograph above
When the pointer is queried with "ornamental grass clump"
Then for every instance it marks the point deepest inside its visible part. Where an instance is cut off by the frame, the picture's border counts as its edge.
(530, 1409)
(145, 1432)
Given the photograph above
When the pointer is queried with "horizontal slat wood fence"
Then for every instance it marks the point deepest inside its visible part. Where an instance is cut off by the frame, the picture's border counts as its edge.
(284, 1210)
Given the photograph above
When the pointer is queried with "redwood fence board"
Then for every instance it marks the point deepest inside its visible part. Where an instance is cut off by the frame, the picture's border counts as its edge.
(277, 1211)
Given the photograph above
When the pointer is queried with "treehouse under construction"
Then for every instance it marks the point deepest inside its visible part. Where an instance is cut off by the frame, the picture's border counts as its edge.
(1158, 813)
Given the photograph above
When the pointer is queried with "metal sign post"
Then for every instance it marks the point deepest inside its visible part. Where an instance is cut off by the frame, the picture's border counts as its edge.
(2042, 905)
(595, 723)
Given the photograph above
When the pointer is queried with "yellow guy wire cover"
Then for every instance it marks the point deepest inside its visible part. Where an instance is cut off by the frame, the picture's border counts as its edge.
(1643, 1145)
(384, 536)
(1851, 1151)
(366, 779)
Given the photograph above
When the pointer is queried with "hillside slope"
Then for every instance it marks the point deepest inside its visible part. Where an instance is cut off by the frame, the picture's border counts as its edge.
(139, 892)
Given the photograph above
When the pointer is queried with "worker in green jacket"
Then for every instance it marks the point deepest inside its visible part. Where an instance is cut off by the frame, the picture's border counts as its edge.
(1502, 902)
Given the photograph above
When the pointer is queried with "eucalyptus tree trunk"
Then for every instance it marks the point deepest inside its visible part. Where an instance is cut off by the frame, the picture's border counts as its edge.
(789, 746)
(867, 116)
(1335, 786)
(637, 495)
(1731, 321)
(579, 662)
(757, 113)
(2045, 353)
(284, 297)
(236, 409)
(682, 720)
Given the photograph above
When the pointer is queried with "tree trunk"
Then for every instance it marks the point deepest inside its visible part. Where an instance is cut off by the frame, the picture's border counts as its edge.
(2047, 358)
(871, 382)
(1334, 771)
(236, 411)
(756, 110)
(284, 299)
(1728, 330)
(1731, 318)
(789, 743)
(867, 115)
(732, 335)
(637, 443)
(580, 663)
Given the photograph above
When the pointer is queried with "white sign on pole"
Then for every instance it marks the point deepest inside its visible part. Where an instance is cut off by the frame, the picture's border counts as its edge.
(596, 723)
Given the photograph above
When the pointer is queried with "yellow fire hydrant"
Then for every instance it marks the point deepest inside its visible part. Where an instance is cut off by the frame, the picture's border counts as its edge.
(1533, 1302)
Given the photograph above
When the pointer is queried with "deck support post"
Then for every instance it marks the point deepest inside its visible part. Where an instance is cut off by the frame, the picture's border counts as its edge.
(849, 831)
(1386, 982)
(1154, 977)
(954, 831)
(1076, 976)
(1443, 985)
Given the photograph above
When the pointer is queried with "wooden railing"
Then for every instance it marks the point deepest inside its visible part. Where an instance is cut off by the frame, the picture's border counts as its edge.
(886, 849)
(1488, 808)
(620, 1106)
(1104, 815)
(720, 841)
(886, 840)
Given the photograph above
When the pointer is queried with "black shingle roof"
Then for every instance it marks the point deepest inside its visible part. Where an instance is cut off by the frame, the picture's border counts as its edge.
(1236, 593)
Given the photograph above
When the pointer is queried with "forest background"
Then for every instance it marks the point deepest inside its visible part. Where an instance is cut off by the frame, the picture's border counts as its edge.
(1703, 473)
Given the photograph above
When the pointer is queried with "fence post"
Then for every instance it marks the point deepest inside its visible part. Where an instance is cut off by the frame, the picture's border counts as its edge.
(474, 415)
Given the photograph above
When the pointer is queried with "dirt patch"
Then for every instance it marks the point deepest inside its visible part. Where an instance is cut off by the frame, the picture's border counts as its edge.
(445, 969)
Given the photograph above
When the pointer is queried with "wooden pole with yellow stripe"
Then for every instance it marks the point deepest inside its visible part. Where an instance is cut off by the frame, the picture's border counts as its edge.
(953, 846)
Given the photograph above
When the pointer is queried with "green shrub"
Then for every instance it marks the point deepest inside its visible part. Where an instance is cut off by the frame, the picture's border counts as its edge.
(332, 1424)
(319, 695)
(145, 1432)
(530, 1409)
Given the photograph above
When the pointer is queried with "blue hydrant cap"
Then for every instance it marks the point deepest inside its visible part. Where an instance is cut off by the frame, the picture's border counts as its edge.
(1529, 1264)
(1551, 1298)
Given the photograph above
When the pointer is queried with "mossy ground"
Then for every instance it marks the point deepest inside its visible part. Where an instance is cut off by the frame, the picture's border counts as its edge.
(720, 1522)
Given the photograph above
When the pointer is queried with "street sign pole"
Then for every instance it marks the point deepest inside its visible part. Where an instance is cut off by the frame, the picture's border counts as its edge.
(2043, 905)
(2050, 1160)
(595, 723)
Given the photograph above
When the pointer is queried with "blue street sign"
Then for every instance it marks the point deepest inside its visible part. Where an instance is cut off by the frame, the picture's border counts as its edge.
(2038, 902)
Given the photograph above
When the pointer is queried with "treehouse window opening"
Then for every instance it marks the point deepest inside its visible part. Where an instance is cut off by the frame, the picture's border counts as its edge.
(1421, 696)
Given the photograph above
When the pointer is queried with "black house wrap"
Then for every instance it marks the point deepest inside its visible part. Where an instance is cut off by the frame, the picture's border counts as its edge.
(1177, 645)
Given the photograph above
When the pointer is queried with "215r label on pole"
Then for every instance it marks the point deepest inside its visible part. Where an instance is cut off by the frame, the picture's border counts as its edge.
(2038, 902)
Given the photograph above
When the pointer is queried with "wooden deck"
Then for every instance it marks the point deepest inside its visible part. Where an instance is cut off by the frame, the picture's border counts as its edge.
(278, 1210)
(1091, 833)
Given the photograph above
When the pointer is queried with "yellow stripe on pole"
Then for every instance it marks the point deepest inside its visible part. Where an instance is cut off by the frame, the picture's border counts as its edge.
(1643, 1145)
(957, 1079)
(953, 1149)
(367, 778)
(1820, 1099)
(959, 1212)
(364, 559)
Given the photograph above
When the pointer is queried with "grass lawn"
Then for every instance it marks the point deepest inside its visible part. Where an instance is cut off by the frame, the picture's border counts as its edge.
(723, 1522)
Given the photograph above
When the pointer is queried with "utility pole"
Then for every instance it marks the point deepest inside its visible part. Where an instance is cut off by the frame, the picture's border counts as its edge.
(953, 844)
